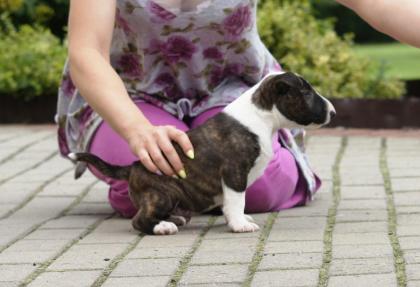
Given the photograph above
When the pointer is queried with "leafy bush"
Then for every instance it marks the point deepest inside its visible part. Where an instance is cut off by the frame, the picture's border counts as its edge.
(31, 60)
(312, 48)
(10, 5)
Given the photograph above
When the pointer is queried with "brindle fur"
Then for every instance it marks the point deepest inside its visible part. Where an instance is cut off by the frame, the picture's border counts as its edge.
(229, 150)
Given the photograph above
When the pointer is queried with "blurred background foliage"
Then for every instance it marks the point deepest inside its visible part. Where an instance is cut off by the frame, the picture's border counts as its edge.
(302, 38)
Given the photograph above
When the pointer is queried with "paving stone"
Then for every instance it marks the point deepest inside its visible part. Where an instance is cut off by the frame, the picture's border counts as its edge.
(158, 252)
(15, 272)
(361, 251)
(87, 256)
(31, 251)
(55, 234)
(286, 278)
(362, 204)
(360, 238)
(146, 267)
(91, 208)
(362, 192)
(361, 181)
(406, 184)
(66, 279)
(361, 215)
(224, 256)
(360, 227)
(72, 222)
(290, 261)
(403, 172)
(408, 230)
(212, 285)
(294, 247)
(412, 271)
(9, 284)
(367, 280)
(415, 283)
(288, 223)
(296, 235)
(408, 209)
(408, 219)
(412, 256)
(177, 240)
(407, 198)
(113, 230)
(362, 266)
(409, 243)
(155, 281)
(215, 274)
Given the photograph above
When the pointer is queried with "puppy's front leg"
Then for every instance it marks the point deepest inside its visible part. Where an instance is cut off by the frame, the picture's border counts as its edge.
(233, 209)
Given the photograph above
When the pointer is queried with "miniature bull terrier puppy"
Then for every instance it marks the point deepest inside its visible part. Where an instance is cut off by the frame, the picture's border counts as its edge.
(232, 149)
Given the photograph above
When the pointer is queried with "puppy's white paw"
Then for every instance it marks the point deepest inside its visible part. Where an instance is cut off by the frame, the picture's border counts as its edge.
(243, 226)
(249, 218)
(165, 228)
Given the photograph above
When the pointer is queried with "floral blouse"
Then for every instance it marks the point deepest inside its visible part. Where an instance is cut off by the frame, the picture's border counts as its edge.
(182, 61)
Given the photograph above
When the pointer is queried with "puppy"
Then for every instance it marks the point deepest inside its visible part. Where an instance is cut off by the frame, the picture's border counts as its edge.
(232, 149)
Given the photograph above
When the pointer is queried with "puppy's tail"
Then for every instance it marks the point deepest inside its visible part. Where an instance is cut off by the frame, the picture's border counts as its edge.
(113, 171)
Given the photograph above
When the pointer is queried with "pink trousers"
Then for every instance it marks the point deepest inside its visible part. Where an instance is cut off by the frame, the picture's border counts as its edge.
(280, 187)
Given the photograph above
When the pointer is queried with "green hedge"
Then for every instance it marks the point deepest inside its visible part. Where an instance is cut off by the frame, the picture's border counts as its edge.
(312, 48)
(31, 60)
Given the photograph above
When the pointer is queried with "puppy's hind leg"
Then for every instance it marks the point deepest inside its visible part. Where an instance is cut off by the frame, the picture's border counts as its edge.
(153, 210)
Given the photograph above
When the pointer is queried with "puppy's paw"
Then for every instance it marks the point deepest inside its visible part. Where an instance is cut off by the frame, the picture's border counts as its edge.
(249, 218)
(243, 226)
(165, 228)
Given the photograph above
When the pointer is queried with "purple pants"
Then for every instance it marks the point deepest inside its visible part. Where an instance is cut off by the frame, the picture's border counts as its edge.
(280, 187)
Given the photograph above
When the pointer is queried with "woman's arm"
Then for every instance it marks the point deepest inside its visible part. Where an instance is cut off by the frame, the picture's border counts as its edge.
(399, 19)
(91, 24)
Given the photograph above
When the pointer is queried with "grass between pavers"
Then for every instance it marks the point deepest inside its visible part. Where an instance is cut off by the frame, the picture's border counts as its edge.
(399, 262)
(114, 262)
(403, 60)
(43, 266)
(185, 261)
(332, 212)
(259, 252)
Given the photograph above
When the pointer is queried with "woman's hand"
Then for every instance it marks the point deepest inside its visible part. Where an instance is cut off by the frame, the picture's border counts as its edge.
(151, 144)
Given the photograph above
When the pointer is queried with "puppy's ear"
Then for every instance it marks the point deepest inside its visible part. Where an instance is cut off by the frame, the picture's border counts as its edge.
(271, 88)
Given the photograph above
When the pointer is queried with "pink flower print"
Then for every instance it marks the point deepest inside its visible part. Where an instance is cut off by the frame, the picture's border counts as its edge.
(234, 69)
(237, 21)
(122, 23)
(216, 76)
(212, 53)
(159, 14)
(177, 48)
(165, 80)
(130, 65)
(67, 85)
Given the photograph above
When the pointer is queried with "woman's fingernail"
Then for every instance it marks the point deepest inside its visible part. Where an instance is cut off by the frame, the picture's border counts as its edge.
(190, 154)
(182, 173)
(174, 176)
(158, 172)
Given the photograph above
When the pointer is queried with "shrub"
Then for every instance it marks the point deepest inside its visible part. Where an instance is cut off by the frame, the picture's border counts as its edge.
(31, 60)
(312, 48)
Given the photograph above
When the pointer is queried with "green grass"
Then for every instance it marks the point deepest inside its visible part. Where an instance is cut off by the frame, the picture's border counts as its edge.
(403, 61)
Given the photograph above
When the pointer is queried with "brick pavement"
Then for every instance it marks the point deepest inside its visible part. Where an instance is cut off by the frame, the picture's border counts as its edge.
(363, 229)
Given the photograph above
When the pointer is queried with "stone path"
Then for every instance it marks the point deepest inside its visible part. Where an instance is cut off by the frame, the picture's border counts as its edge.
(363, 229)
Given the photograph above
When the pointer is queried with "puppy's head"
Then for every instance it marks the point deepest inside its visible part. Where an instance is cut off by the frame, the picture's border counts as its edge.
(293, 101)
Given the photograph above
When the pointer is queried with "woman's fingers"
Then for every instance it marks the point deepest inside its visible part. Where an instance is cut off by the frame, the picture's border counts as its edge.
(145, 159)
(182, 139)
(169, 151)
(158, 159)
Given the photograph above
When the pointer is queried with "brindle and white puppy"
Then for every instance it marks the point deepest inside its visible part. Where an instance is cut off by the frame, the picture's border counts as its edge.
(232, 150)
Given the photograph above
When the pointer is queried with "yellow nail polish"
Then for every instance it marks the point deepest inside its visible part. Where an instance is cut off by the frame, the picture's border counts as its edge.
(182, 173)
(190, 154)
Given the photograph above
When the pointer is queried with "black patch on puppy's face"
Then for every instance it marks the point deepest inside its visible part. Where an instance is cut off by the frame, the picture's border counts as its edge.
(294, 98)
